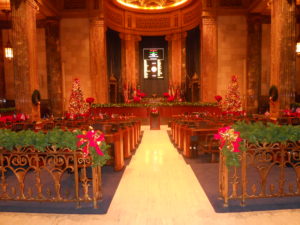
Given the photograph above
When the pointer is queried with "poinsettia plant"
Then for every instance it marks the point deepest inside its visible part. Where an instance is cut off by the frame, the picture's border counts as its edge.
(154, 111)
(166, 95)
(218, 98)
(90, 100)
(229, 144)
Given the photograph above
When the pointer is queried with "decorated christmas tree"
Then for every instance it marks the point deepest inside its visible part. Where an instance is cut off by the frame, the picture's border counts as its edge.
(77, 103)
(232, 102)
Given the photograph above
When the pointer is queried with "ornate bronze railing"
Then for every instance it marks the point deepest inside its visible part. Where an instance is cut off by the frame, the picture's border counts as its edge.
(54, 175)
(266, 171)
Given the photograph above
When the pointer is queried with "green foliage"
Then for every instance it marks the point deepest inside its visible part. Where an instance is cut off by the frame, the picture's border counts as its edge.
(260, 133)
(270, 133)
(295, 105)
(231, 157)
(56, 137)
(6, 110)
(155, 104)
(99, 160)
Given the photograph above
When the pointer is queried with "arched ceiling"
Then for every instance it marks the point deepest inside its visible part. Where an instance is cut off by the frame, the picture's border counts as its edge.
(155, 21)
(151, 4)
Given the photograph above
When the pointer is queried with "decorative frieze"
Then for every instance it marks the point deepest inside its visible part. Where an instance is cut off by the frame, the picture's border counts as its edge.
(191, 16)
(160, 22)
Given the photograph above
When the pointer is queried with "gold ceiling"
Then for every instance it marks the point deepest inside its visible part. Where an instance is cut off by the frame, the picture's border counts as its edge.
(151, 4)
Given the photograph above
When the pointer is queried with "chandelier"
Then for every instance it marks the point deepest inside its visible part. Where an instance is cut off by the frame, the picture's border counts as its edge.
(151, 4)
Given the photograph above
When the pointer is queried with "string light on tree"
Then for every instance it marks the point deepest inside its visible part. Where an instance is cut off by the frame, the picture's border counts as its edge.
(78, 106)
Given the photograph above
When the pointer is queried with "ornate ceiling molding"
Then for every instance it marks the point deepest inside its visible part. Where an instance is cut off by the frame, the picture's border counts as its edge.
(153, 23)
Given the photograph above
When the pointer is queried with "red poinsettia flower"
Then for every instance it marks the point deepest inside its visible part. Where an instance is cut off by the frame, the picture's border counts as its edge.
(171, 98)
(90, 100)
(141, 94)
(218, 98)
(166, 95)
(137, 99)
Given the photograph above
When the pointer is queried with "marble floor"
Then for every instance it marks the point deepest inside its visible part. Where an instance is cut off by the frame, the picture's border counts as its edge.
(157, 188)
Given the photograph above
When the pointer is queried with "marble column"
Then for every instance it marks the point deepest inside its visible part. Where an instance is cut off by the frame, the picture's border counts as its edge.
(54, 67)
(283, 57)
(254, 62)
(177, 60)
(130, 65)
(209, 56)
(25, 55)
(98, 60)
(2, 73)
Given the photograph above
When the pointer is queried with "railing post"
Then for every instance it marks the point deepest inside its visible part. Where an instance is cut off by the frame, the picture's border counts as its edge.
(76, 181)
(244, 177)
(224, 181)
(96, 185)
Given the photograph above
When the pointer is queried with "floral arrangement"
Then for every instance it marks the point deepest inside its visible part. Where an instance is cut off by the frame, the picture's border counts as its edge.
(140, 94)
(130, 104)
(137, 99)
(154, 111)
(218, 98)
(166, 95)
(93, 143)
(171, 98)
(89, 100)
(229, 144)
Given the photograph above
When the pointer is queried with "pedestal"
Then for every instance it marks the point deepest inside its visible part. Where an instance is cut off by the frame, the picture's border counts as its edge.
(154, 121)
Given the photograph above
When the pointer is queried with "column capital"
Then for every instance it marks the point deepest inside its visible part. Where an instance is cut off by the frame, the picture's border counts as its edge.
(176, 36)
(33, 4)
(97, 21)
(209, 18)
(130, 37)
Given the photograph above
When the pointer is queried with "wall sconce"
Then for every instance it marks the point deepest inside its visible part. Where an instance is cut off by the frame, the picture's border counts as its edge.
(298, 48)
(8, 51)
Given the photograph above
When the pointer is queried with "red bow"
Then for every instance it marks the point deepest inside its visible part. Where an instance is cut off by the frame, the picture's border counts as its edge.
(90, 139)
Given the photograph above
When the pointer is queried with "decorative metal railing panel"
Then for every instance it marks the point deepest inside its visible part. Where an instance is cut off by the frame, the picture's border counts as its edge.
(266, 171)
(54, 175)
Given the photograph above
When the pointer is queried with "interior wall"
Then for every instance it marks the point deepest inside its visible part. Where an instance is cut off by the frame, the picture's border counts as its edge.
(232, 45)
(75, 56)
(42, 69)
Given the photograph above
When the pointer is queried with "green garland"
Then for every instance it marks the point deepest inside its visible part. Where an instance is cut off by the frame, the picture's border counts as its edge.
(203, 104)
(7, 110)
(56, 137)
(270, 133)
(295, 105)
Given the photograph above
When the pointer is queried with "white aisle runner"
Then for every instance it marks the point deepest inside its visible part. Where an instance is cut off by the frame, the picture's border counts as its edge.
(158, 187)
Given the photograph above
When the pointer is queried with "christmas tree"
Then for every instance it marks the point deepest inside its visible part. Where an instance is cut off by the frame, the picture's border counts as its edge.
(232, 102)
(77, 103)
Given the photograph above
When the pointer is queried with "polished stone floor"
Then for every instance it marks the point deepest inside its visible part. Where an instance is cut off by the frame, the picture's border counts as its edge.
(157, 188)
